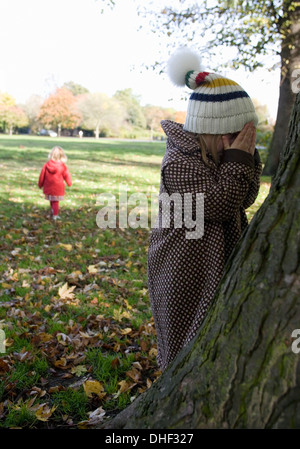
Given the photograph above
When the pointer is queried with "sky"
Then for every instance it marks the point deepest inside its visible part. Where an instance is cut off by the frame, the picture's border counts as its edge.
(48, 42)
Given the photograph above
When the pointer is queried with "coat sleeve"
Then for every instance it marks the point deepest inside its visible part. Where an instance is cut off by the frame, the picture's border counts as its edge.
(42, 177)
(67, 177)
(222, 196)
(252, 193)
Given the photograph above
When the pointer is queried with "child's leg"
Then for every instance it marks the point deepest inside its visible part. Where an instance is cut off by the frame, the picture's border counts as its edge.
(55, 207)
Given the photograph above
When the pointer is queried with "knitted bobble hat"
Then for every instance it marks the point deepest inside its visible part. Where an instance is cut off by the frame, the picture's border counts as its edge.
(217, 105)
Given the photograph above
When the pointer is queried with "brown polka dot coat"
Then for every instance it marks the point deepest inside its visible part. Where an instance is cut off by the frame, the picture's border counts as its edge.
(183, 273)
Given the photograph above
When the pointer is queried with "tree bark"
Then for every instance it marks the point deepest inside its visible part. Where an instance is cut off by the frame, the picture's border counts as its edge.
(290, 60)
(240, 370)
(285, 104)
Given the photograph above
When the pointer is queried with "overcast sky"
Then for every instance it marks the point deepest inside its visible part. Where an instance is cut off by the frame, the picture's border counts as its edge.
(48, 42)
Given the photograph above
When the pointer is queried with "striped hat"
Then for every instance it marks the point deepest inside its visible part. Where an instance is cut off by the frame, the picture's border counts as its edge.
(217, 105)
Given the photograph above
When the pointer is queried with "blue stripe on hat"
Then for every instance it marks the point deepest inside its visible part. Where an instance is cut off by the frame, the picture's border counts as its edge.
(218, 97)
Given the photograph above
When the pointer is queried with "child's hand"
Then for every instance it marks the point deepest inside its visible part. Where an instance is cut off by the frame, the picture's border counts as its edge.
(244, 141)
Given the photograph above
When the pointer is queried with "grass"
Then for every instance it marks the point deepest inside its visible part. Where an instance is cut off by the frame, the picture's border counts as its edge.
(73, 297)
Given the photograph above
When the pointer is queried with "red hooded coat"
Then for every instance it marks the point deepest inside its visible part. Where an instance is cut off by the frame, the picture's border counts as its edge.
(52, 178)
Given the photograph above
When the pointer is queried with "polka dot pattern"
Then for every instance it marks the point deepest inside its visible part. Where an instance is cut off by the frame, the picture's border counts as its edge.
(183, 274)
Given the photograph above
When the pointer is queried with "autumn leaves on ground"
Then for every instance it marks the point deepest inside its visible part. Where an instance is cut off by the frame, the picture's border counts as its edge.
(79, 337)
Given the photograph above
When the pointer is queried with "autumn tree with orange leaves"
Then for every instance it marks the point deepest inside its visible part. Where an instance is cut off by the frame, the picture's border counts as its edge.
(59, 110)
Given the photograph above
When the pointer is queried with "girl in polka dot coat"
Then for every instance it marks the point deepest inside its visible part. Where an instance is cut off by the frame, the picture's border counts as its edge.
(183, 273)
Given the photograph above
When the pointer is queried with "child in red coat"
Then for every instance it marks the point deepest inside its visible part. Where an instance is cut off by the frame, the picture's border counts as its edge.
(52, 178)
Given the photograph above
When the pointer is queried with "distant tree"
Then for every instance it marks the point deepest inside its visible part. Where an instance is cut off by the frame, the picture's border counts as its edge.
(134, 111)
(60, 111)
(75, 88)
(154, 115)
(180, 116)
(10, 114)
(101, 113)
(7, 99)
(32, 108)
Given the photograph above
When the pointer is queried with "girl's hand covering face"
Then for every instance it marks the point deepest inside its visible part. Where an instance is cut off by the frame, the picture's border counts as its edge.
(244, 140)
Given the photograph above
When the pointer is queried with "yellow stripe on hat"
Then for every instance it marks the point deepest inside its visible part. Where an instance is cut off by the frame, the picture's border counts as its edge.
(218, 82)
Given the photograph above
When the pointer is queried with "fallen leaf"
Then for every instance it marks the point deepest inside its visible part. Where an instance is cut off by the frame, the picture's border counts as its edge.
(95, 417)
(127, 304)
(79, 370)
(94, 387)
(124, 386)
(67, 246)
(44, 337)
(126, 331)
(115, 363)
(65, 292)
(44, 412)
(4, 366)
(153, 352)
(61, 362)
(134, 374)
(92, 269)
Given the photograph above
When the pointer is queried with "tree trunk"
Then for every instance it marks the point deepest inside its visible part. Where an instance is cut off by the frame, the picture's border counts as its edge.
(241, 371)
(290, 60)
(59, 130)
(285, 104)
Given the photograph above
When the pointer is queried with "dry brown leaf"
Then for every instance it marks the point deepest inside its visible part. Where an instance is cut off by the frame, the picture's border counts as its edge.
(95, 417)
(44, 337)
(153, 352)
(124, 386)
(126, 331)
(65, 292)
(134, 374)
(94, 387)
(115, 363)
(61, 362)
(4, 366)
(67, 246)
(149, 383)
(92, 269)
(44, 412)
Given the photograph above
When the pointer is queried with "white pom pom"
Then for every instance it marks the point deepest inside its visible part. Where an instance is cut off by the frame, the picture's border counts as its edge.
(181, 62)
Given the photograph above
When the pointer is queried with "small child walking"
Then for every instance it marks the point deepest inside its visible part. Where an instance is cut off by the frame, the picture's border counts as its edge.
(214, 154)
(52, 178)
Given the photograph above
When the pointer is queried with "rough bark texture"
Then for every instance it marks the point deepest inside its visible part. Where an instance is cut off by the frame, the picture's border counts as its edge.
(240, 370)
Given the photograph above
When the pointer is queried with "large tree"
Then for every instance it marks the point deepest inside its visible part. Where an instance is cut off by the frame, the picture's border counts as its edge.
(101, 113)
(257, 30)
(75, 88)
(242, 370)
(11, 115)
(154, 115)
(60, 110)
(32, 109)
(134, 111)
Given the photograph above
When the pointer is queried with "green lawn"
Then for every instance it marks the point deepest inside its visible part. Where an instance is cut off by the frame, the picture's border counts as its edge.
(73, 297)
